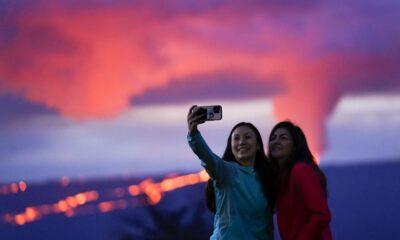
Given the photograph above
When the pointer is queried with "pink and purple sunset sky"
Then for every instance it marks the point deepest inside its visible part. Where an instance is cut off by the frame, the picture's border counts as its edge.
(101, 88)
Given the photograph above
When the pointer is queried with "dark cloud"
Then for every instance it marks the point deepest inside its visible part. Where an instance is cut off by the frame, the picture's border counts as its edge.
(14, 110)
(219, 86)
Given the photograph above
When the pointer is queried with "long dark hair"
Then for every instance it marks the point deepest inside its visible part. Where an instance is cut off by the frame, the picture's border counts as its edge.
(301, 153)
(261, 166)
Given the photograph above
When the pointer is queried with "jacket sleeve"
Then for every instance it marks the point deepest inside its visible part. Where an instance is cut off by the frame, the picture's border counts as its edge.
(311, 190)
(216, 168)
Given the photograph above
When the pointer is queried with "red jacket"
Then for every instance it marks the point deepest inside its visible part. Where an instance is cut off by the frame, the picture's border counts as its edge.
(302, 209)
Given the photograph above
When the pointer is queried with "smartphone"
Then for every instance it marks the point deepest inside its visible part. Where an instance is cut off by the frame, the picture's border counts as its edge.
(211, 113)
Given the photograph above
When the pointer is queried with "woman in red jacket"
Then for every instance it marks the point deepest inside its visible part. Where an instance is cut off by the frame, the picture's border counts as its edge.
(302, 209)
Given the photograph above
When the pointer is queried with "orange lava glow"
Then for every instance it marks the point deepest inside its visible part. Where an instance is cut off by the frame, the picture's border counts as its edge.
(112, 205)
(65, 206)
(70, 205)
(154, 190)
(13, 188)
(106, 206)
(81, 198)
(20, 219)
(134, 190)
(22, 186)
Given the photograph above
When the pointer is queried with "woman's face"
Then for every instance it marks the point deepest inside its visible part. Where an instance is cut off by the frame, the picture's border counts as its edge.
(281, 145)
(244, 145)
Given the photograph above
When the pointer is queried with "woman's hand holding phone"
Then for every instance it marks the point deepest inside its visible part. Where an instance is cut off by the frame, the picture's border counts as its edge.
(199, 114)
(195, 117)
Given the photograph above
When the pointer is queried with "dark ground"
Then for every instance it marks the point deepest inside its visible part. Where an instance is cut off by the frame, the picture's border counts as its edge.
(364, 201)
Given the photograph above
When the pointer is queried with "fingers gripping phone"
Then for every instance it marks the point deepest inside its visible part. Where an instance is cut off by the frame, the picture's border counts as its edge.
(211, 113)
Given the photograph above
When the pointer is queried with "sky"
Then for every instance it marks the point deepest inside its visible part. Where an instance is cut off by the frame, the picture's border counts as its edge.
(102, 88)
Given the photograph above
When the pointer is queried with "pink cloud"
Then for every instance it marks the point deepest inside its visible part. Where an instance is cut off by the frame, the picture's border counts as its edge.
(90, 61)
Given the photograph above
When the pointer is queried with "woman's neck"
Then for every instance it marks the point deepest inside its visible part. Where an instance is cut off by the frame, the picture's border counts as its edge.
(282, 163)
(247, 162)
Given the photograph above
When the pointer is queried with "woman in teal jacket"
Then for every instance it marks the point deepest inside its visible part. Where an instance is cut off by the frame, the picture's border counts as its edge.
(241, 180)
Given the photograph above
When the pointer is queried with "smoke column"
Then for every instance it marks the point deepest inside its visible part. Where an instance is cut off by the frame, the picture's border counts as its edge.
(88, 59)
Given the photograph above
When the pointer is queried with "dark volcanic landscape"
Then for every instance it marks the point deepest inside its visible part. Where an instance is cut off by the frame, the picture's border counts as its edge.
(364, 200)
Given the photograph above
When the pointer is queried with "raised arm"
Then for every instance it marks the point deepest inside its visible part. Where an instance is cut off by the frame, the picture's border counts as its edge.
(214, 165)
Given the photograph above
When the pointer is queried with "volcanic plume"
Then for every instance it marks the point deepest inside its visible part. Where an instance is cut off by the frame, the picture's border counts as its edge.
(90, 59)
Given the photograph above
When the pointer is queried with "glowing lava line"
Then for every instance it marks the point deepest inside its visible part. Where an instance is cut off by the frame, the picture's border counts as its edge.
(13, 188)
(71, 204)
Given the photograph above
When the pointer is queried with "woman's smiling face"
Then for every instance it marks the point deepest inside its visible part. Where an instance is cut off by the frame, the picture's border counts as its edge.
(281, 145)
(244, 145)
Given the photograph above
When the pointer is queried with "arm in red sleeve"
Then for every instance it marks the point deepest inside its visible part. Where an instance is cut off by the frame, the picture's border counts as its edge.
(311, 190)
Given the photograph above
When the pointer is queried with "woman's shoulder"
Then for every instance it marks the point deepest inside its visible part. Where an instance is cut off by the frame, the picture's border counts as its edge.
(302, 167)
(303, 173)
